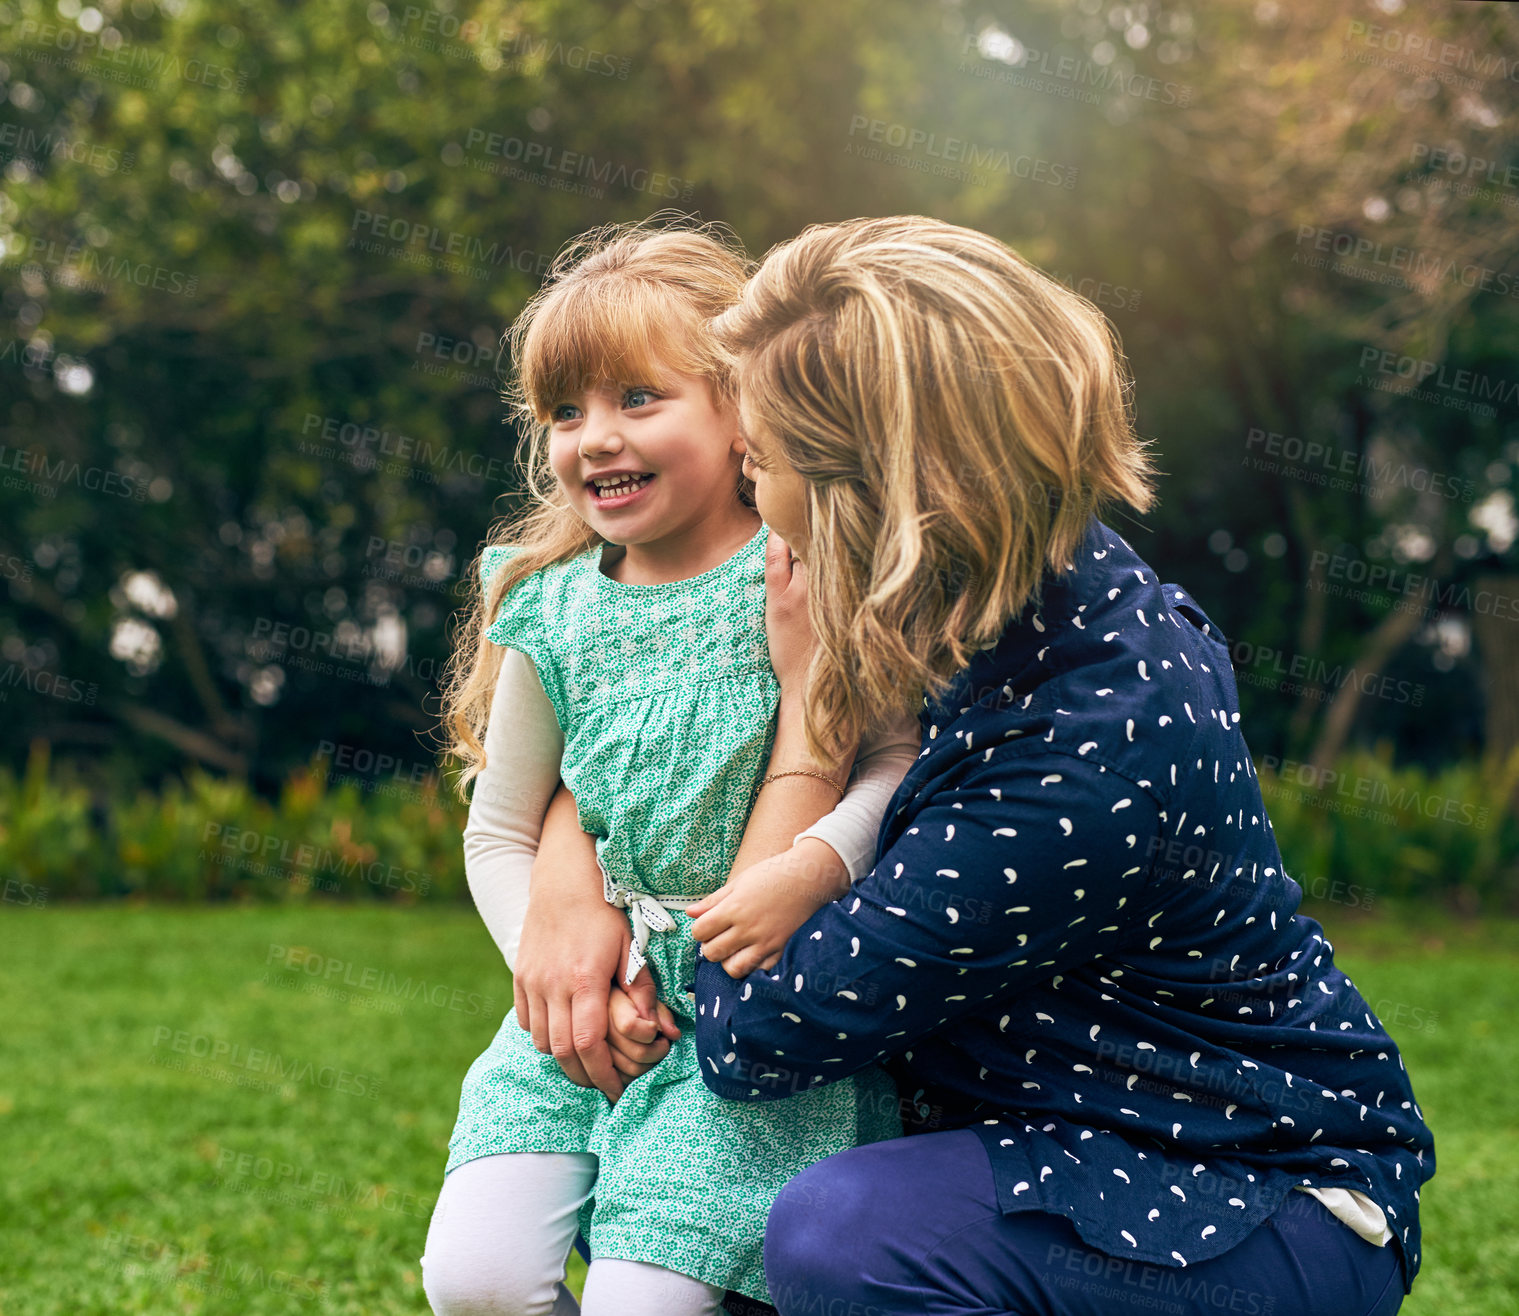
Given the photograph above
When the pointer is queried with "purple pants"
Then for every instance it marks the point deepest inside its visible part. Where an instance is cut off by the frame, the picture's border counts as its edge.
(912, 1226)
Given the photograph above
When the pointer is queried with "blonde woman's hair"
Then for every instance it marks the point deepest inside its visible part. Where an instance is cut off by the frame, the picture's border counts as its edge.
(957, 415)
(624, 304)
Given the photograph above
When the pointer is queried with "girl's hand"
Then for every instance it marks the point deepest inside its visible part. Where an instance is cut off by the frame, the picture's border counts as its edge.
(638, 1041)
(746, 923)
(788, 625)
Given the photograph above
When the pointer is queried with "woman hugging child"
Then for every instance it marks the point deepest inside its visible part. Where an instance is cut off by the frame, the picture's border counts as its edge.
(619, 644)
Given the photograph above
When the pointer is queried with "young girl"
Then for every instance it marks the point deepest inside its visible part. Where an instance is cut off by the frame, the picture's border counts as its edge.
(641, 675)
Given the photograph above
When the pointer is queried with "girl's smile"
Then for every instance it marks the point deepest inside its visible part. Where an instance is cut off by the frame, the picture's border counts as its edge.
(618, 488)
(654, 468)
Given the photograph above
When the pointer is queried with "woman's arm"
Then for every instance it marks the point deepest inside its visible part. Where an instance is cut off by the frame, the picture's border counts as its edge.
(574, 947)
(845, 837)
(558, 944)
(1019, 870)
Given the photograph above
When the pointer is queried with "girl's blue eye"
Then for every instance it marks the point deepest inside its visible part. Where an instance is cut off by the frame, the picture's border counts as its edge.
(558, 413)
(628, 398)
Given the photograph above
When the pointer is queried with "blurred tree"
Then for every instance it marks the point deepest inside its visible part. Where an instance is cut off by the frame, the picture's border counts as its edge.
(256, 265)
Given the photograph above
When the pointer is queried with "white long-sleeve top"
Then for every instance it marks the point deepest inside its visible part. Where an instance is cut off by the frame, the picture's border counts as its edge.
(523, 749)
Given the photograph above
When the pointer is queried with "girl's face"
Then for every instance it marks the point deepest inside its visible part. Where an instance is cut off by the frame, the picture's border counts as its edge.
(780, 494)
(641, 464)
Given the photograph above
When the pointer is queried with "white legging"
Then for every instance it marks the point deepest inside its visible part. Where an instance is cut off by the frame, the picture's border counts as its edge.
(502, 1231)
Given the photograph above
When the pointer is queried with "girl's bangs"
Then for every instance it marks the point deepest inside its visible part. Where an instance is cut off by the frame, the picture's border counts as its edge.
(606, 331)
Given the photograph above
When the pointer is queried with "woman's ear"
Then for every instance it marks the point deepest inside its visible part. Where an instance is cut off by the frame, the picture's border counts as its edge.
(739, 427)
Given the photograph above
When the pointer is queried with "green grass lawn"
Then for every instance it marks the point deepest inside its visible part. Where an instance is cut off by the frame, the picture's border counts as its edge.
(152, 1163)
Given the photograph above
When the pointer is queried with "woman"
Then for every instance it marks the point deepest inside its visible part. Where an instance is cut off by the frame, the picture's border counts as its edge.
(1077, 952)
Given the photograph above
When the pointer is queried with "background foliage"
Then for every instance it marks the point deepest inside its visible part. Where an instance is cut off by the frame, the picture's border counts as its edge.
(257, 261)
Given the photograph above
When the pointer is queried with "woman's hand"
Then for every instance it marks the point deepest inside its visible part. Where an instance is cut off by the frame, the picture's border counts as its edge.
(788, 625)
(574, 946)
(641, 1027)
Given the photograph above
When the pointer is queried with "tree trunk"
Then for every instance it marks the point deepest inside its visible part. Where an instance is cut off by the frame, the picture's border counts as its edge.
(1386, 638)
(1495, 625)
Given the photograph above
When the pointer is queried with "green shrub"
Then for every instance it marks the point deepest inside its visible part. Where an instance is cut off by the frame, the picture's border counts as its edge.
(1389, 832)
(1400, 833)
(211, 838)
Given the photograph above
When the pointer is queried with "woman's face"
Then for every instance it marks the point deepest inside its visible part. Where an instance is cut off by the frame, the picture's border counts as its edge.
(780, 494)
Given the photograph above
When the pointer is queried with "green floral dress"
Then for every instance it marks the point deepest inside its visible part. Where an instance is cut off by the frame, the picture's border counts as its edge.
(667, 701)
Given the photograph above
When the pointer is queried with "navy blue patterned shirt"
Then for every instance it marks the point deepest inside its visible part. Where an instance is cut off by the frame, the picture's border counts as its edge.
(1079, 940)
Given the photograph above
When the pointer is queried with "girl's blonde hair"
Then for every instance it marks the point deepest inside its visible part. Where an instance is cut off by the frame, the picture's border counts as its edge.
(957, 415)
(624, 304)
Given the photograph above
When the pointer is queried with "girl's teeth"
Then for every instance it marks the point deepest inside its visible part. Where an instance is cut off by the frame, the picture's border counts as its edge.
(622, 486)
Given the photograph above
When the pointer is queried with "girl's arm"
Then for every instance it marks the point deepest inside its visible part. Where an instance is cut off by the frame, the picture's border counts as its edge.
(782, 878)
(767, 903)
(523, 745)
(791, 804)
(745, 924)
(853, 826)
(570, 964)
(561, 997)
